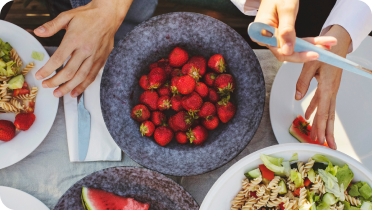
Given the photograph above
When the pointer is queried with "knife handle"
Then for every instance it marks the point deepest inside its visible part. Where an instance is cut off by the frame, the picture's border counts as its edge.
(254, 31)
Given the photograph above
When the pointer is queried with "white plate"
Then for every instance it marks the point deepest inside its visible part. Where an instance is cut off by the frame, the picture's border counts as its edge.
(353, 106)
(229, 184)
(17, 200)
(46, 104)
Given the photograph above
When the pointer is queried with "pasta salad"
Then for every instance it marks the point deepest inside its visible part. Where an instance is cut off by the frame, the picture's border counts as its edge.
(16, 96)
(313, 185)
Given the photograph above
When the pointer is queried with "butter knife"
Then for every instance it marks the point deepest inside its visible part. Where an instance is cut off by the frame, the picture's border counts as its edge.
(254, 31)
(83, 129)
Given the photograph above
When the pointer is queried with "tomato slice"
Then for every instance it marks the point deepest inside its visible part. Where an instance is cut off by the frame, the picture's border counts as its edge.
(307, 182)
(266, 173)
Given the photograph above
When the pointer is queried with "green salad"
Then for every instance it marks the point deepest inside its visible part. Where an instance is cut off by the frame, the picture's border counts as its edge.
(313, 185)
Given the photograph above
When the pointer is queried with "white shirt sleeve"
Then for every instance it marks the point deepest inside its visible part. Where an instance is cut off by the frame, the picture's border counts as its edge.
(247, 7)
(355, 16)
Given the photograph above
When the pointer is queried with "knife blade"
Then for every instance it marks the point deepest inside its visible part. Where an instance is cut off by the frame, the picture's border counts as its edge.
(255, 29)
(83, 129)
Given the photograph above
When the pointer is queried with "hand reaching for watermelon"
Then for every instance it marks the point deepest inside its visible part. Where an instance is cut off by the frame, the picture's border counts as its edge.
(329, 78)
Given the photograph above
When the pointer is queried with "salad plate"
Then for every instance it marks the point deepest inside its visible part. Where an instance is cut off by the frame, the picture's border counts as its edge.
(153, 40)
(353, 112)
(46, 104)
(143, 185)
(229, 184)
(10, 200)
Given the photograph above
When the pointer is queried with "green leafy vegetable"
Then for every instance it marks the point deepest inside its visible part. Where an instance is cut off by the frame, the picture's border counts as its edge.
(344, 175)
(294, 157)
(365, 191)
(270, 165)
(311, 175)
(37, 56)
(297, 179)
(354, 191)
(346, 205)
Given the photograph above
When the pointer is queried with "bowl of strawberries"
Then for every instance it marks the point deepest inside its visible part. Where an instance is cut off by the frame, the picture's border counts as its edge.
(182, 94)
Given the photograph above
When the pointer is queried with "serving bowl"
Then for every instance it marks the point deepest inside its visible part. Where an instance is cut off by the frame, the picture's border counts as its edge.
(198, 35)
(229, 184)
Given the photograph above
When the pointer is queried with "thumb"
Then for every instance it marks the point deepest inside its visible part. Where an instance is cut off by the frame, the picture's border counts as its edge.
(287, 14)
(52, 27)
(303, 82)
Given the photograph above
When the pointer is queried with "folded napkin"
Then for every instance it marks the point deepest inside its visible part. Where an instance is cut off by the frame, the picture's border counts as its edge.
(101, 146)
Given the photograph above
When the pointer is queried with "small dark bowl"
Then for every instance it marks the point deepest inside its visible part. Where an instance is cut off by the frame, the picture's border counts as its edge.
(198, 35)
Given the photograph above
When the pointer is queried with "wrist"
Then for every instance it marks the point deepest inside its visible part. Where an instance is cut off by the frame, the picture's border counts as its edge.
(343, 40)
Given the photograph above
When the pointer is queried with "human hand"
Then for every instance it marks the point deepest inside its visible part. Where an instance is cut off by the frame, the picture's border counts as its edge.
(281, 14)
(329, 78)
(89, 39)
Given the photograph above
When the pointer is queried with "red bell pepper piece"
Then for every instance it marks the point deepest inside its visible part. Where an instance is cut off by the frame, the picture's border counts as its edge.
(281, 205)
(297, 191)
(307, 182)
(253, 194)
(266, 173)
(17, 92)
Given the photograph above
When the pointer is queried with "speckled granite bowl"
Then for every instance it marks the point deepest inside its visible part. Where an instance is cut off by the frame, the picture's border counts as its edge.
(153, 40)
(141, 184)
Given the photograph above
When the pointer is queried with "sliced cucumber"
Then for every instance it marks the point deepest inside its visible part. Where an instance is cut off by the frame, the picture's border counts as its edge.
(283, 188)
(16, 82)
(253, 174)
(330, 199)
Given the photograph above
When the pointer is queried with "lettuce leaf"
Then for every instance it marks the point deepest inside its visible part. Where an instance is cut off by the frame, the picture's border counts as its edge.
(294, 157)
(311, 175)
(296, 178)
(273, 164)
(331, 184)
(344, 175)
(37, 56)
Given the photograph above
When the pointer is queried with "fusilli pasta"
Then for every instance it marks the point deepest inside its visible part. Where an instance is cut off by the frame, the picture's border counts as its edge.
(15, 57)
(27, 68)
(30, 95)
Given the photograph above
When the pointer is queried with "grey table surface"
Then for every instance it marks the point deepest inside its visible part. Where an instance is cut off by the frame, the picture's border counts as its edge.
(47, 172)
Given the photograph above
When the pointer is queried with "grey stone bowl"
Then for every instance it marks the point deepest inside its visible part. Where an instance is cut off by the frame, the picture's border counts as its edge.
(153, 40)
(141, 184)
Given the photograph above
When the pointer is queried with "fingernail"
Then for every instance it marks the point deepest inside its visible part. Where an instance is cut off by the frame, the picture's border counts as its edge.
(314, 57)
(298, 95)
(335, 146)
(57, 93)
(38, 77)
(286, 49)
(40, 29)
(45, 85)
(74, 95)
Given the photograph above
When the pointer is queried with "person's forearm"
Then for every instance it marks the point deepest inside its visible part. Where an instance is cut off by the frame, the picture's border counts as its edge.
(343, 40)
(116, 8)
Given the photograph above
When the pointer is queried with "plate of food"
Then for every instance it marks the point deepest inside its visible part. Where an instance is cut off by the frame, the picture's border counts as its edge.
(126, 188)
(293, 176)
(27, 110)
(182, 94)
(353, 111)
(10, 200)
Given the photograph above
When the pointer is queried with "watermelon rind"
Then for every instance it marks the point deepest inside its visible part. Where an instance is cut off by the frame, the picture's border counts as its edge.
(291, 131)
(86, 202)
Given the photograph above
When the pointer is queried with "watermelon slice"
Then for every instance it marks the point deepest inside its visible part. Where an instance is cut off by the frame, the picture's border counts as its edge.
(94, 199)
(300, 129)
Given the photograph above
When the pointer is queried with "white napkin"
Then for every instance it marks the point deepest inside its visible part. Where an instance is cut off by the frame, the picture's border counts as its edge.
(101, 146)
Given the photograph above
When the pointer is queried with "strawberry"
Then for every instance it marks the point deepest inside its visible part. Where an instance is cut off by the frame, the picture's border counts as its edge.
(158, 118)
(7, 130)
(176, 72)
(217, 64)
(191, 70)
(201, 89)
(181, 121)
(164, 64)
(181, 137)
(147, 128)
(17, 92)
(144, 82)
(164, 103)
(163, 135)
(200, 62)
(185, 84)
(209, 78)
(150, 99)
(225, 110)
(176, 103)
(224, 83)
(140, 113)
(173, 85)
(171, 125)
(211, 122)
(29, 106)
(192, 102)
(208, 109)
(165, 90)
(213, 96)
(24, 121)
(153, 65)
(178, 57)
(197, 135)
(157, 78)
(25, 85)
